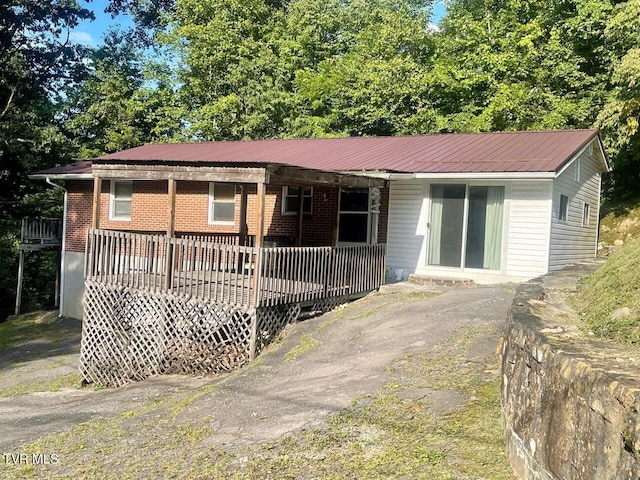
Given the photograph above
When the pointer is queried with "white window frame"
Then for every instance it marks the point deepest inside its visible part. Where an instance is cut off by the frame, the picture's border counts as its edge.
(564, 213)
(586, 214)
(285, 194)
(113, 200)
(212, 206)
(578, 171)
(355, 212)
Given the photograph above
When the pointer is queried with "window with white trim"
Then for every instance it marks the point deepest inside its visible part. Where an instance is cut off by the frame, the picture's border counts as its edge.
(290, 200)
(586, 214)
(353, 218)
(222, 203)
(120, 200)
(563, 209)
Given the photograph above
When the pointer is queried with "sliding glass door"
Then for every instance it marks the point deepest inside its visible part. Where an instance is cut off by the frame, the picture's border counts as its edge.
(465, 226)
(447, 221)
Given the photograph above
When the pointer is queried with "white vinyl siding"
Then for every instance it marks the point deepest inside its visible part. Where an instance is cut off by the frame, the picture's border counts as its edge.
(407, 225)
(528, 229)
(571, 240)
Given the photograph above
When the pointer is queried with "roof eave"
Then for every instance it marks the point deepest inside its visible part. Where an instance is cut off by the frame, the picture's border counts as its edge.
(579, 151)
(488, 175)
(61, 176)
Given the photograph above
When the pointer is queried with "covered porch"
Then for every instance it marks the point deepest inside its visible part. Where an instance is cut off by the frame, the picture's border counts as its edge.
(270, 204)
(198, 302)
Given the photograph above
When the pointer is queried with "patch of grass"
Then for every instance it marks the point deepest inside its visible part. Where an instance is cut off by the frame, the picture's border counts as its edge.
(420, 295)
(386, 436)
(620, 221)
(445, 367)
(609, 299)
(371, 311)
(31, 326)
(72, 380)
(189, 400)
(129, 446)
(307, 343)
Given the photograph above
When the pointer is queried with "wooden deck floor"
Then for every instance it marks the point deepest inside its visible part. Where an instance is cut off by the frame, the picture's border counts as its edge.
(234, 289)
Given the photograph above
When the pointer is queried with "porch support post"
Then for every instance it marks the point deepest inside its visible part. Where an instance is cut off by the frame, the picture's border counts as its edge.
(243, 216)
(374, 195)
(300, 216)
(171, 207)
(97, 190)
(337, 219)
(19, 288)
(260, 214)
(171, 231)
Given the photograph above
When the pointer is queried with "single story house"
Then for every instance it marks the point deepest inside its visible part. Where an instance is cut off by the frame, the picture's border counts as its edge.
(488, 207)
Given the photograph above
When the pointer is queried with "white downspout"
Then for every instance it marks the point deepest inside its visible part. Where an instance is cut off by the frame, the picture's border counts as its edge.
(63, 249)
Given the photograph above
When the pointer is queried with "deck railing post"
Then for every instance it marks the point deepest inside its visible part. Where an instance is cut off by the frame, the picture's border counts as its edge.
(257, 298)
(168, 265)
(327, 271)
(257, 277)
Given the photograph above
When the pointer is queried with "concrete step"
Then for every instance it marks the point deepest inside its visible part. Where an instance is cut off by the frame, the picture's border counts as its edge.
(441, 281)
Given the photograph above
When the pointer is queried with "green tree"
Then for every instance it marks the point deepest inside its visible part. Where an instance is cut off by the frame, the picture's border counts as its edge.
(516, 65)
(36, 59)
(259, 69)
(371, 81)
(620, 117)
(233, 82)
(125, 102)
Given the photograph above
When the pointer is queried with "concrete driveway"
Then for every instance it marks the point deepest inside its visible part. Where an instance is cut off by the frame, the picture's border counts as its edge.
(318, 368)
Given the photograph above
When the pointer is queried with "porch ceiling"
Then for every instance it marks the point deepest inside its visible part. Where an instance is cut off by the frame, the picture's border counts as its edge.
(274, 174)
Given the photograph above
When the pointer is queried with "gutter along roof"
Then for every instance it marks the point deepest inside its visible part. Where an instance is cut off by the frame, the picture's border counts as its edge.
(467, 153)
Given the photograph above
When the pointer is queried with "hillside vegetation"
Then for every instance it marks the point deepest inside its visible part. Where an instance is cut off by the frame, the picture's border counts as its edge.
(609, 300)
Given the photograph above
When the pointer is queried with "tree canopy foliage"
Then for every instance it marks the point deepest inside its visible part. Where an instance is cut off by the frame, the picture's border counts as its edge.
(36, 59)
(248, 69)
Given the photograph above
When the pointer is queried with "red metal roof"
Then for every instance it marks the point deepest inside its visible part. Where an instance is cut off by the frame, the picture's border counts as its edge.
(529, 151)
(78, 168)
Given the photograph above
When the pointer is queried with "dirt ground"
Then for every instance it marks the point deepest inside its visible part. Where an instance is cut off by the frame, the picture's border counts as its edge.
(431, 352)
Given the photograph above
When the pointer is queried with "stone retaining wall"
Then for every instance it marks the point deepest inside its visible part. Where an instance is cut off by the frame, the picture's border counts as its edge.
(570, 404)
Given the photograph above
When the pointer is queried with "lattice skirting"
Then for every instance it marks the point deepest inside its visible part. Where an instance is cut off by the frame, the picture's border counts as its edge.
(271, 321)
(327, 304)
(130, 335)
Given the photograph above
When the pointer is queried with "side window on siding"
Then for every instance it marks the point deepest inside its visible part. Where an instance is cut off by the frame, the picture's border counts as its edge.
(222, 203)
(120, 200)
(586, 213)
(578, 167)
(563, 210)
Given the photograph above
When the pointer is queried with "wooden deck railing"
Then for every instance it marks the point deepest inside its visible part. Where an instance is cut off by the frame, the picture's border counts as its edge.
(304, 274)
(231, 273)
(46, 230)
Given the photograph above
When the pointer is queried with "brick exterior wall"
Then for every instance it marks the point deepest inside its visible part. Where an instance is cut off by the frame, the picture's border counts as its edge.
(148, 207)
(79, 210)
(149, 212)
